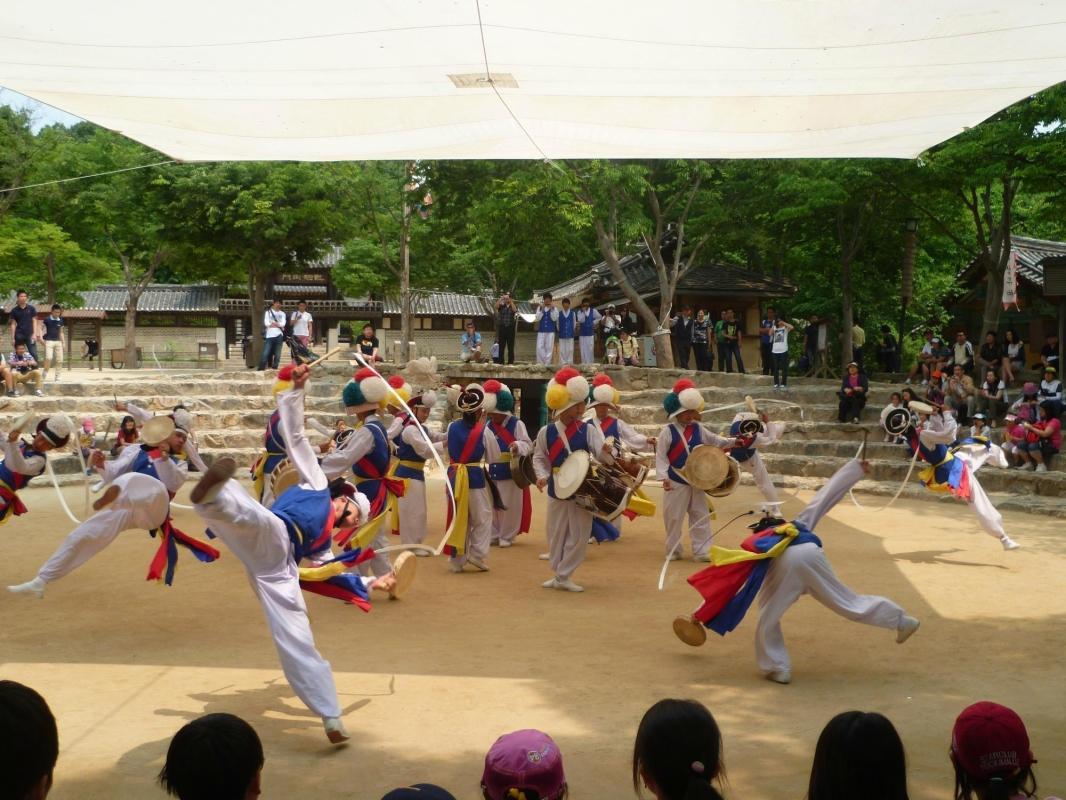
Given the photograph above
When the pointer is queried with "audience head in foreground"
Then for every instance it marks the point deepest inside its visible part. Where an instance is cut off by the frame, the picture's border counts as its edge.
(524, 765)
(419, 791)
(678, 752)
(215, 757)
(990, 751)
(859, 754)
(29, 743)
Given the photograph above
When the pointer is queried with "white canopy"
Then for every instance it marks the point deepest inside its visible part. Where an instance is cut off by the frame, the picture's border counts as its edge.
(394, 79)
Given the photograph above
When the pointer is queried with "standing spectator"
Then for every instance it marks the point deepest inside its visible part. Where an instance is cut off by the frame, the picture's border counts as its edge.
(302, 324)
(217, 756)
(962, 353)
(733, 335)
(1043, 439)
(858, 342)
(859, 755)
(961, 394)
(506, 324)
(29, 743)
(631, 322)
(1051, 391)
(22, 322)
(677, 754)
(546, 320)
(587, 319)
(766, 332)
(925, 359)
(701, 349)
(990, 356)
(567, 326)
(992, 395)
(991, 755)
(1049, 353)
(470, 343)
(90, 350)
(934, 392)
(24, 369)
(53, 340)
(779, 352)
(610, 322)
(682, 336)
(627, 349)
(888, 351)
(368, 344)
(525, 763)
(273, 335)
(853, 390)
(1013, 355)
(720, 340)
(810, 344)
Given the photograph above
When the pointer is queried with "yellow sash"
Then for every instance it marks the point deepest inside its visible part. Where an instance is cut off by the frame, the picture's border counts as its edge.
(640, 504)
(720, 556)
(457, 538)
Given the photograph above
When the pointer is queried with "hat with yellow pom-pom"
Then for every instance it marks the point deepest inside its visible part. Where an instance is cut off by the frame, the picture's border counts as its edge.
(365, 391)
(603, 391)
(567, 388)
(283, 380)
(401, 388)
(683, 397)
(498, 397)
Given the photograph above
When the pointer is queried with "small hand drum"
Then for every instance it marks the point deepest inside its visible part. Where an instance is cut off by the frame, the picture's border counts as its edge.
(571, 474)
(284, 476)
(690, 631)
(706, 467)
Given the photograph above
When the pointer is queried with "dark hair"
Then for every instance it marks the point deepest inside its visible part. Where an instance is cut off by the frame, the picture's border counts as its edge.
(566, 300)
(529, 794)
(907, 390)
(771, 308)
(990, 333)
(22, 291)
(29, 741)
(896, 396)
(301, 302)
(546, 296)
(275, 300)
(215, 757)
(1013, 334)
(125, 419)
(20, 340)
(57, 307)
(967, 787)
(368, 325)
(859, 754)
(677, 738)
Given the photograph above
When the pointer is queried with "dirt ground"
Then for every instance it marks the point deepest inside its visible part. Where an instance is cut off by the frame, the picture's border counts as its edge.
(428, 682)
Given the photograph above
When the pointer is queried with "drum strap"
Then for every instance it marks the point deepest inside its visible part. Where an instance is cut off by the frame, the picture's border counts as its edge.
(563, 440)
(682, 443)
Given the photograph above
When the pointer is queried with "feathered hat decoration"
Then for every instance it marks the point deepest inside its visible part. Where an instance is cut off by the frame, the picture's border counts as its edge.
(365, 391)
(400, 387)
(603, 391)
(567, 388)
(498, 398)
(683, 397)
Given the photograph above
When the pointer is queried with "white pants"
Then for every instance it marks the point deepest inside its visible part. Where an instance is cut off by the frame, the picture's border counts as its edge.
(758, 471)
(545, 343)
(413, 512)
(478, 526)
(506, 522)
(566, 351)
(678, 502)
(569, 528)
(380, 565)
(53, 350)
(987, 514)
(804, 569)
(588, 349)
(143, 503)
(259, 539)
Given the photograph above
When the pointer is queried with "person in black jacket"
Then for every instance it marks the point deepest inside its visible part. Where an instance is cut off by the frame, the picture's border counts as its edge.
(853, 391)
(683, 336)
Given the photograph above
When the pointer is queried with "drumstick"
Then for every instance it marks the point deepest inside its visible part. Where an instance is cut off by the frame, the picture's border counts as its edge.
(330, 354)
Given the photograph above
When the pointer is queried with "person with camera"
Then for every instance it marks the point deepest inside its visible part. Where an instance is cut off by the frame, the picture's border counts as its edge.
(506, 321)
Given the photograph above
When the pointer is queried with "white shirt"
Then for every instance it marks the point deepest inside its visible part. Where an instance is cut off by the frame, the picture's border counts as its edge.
(273, 316)
(779, 337)
(301, 323)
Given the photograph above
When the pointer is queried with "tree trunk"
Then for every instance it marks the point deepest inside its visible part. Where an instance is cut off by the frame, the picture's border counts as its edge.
(993, 301)
(131, 329)
(847, 312)
(405, 284)
(50, 278)
(257, 299)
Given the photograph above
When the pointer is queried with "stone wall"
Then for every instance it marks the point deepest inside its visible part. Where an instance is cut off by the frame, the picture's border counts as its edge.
(169, 342)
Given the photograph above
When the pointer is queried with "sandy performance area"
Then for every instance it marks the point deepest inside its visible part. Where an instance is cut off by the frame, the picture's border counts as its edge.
(428, 682)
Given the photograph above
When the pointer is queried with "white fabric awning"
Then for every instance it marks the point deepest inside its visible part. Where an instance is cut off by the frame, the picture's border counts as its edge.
(325, 80)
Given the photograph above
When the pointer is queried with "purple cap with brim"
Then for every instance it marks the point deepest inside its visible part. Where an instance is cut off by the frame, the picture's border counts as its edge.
(524, 760)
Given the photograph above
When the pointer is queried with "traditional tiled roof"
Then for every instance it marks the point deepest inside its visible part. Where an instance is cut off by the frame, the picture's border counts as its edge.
(1031, 256)
(449, 304)
(162, 297)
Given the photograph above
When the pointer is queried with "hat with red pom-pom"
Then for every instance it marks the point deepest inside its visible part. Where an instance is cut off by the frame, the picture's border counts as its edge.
(365, 391)
(567, 388)
(427, 399)
(603, 391)
(399, 387)
(498, 398)
(283, 380)
(683, 397)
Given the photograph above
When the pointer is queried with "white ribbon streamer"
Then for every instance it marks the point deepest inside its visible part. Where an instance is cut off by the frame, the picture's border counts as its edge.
(899, 491)
(62, 500)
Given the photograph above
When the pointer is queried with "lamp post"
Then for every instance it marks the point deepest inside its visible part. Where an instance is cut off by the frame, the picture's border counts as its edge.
(910, 243)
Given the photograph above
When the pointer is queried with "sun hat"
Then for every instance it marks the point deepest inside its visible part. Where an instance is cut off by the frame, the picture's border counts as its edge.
(526, 760)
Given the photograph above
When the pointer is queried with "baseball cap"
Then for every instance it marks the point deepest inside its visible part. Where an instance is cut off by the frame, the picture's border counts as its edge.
(979, 416)
(990, 740)
(935, 339)
(419, 791)
(524, 760)
(1029, 389)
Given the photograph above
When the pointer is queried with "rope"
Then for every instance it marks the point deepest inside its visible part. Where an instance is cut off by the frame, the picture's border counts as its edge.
(86, 177)
(899, 491)
(691, 525)
(62, 500)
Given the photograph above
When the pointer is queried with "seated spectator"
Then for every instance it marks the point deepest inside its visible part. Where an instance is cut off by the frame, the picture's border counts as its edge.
(128, 433)
(924, 364)
(1051, 391)
(612, 353)
(217, 756)
(87, 440)
(990, 355)
(1049, 353)
(1025, 407)
(24, 369)
(369, 345)
(1043, 439)
(934, 392)
(859, 755)
(960, 394)
(853, 390)
(887, 351)
(470, 344)
(992, 395)
(627, 349)
(941, 355)
(678, 752)
(29, 743)
(980, 429)
(1013, 355)
(907, 396)
(991, 754)
(1013, 439)
(524, 764)
(895, 401)
(962, 353)
(419, 791)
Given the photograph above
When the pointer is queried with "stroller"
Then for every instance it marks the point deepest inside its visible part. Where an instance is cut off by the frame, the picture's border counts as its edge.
(300, 354)
(612, 350)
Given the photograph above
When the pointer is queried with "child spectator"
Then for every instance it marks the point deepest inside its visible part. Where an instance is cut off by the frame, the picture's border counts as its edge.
(368, 344)
(992, 395)
(29, 743)
(1051, 391)
(678, 752)
(859, 754)
(24, 369)
(1013, 438)
(470, 343)
(53, 340)
(894, 402)
(852, 394)
(934, 392)
(128, 433)
(87, 439)
(1043, 439)
(980, 429)
(1025, 406)
(1013, 355)
(627, 349)
(217, 756)
(524, 764)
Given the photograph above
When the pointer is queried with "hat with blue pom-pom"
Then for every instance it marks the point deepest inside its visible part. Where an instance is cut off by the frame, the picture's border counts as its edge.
(498, 398)
(365, 391)
(683, 397)
(603, 391)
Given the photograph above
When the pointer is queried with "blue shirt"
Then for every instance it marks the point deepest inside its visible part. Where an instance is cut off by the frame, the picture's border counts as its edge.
(469, 341)
(52, 327)
(23, 319)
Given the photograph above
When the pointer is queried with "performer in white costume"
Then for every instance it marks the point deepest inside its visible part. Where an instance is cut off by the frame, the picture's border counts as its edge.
(414, 447)
(514, 443)
(754, 431)
(546, 321)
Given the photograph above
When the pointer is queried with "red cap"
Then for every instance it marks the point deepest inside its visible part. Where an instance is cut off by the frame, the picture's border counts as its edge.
(937, 373)
(990, 740)
(526, 760)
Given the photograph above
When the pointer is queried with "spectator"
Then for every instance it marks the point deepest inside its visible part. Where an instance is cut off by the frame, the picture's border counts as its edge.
(610, 322)
(567, 332)
(810, 345)
(1013, 439)
(587, 320)
(678, 752)
(368, 344)
(990, 356)
(1049, 353)
(962, 353)
(631, 322)
(29, 743)
(779, 352)
(1043, 439)
(888, 351)
(853, 390)
(506, 324)
(1051, 391)
(925, 359)
(941, 355)
(934, 392)
(720, 340)
(992, 395)
(858, 342)
(1013, 356)
(766, 331)
(859, 755)
(218, 756)
(53, 340)
(733, 335)
(682, 327)
(527, 764)
(128, 433)
(273, 336)
(90, 350)
(895, 401)
(961, 394)
(701, 346)
(470, 343)
(991, 755)
(22, 322)
(87, 438)
(419, 791)
(980, 428)
(24, 369)
(303, 324)
(1025, 406)
(627, 349)
(907, 395)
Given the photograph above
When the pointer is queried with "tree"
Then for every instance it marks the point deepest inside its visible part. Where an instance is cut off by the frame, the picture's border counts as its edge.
(16, 146)
(41, 258)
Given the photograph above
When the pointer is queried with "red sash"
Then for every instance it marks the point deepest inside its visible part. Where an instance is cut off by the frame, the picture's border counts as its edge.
(508, 438)
(559, 444)
(502, 433)
(605, 423)
(681, 445)
(472, 439)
